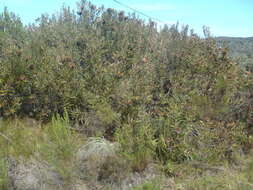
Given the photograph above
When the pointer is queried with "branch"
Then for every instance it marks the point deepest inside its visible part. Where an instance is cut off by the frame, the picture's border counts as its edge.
(5, 137)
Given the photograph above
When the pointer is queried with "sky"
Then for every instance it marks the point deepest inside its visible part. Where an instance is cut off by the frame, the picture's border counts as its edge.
(224, 17)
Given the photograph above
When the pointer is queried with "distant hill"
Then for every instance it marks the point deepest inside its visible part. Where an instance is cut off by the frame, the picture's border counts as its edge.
(224, 38)
(238, 46)
(241, 49)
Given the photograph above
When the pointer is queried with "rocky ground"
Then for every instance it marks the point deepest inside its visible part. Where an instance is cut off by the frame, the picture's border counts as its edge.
(90, 171)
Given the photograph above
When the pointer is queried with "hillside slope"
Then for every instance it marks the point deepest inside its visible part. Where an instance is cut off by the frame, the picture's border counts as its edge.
(241, 49)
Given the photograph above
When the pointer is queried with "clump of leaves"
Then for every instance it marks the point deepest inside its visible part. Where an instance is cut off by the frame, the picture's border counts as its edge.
(60, 136)
(153, 185)
(138, 144)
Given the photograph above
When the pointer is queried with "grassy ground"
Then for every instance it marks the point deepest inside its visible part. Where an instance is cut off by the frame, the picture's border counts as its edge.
(56, 144)
(27, 139)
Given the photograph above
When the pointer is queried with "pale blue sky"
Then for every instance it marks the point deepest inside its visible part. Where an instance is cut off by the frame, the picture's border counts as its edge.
(224, 17)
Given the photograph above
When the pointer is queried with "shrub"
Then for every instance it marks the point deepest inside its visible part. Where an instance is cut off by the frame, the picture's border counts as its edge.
(138, 144)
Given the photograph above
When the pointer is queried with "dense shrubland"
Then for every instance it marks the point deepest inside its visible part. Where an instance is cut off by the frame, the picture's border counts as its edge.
(166, 96)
